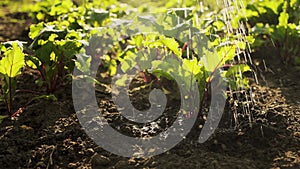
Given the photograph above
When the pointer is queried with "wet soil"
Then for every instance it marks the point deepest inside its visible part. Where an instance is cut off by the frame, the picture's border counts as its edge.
(47, 134)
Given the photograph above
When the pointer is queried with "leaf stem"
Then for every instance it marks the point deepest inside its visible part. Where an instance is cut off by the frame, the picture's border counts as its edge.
(204, 97)
(10, 95)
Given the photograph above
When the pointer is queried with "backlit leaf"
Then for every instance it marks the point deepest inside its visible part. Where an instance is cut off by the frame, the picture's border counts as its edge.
(13, 61)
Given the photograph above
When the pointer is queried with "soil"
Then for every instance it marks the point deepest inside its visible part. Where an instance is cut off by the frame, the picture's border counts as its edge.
(47, 134)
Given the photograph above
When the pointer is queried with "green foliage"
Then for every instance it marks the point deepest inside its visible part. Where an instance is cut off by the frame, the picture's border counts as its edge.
(10, 66)
(201, 56)
(13, 60)
(276, 24)
(54, 53)
(49, 10)
(4, 2)
(62, 30)
(188, 42)
(234, 74)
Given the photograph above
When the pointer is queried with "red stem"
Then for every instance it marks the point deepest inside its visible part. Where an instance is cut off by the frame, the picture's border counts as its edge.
(207, 83)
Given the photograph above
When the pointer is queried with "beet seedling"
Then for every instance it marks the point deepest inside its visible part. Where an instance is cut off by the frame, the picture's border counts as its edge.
(54, 53)
(13, 60)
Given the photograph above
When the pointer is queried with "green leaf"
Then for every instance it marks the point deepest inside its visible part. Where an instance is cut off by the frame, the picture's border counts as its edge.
(160, 73)
(52, 37)
(40, 33)
(43, 53)
(172, 44)
(129, 61)
(191, 66)
(98, 16)
(184, 13)
(83, 62)
(47, 97)
(52, 56)
(237, 69)
(112, 69)
(33, 62)
(35, 30)
(61, 8)
(137, 40)
(13, 61)
(283, 19)
(211, 60)
(40, 16)
(122, 81)
(151, 21)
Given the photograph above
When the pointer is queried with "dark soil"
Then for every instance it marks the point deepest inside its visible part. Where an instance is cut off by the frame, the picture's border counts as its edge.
(48, 134)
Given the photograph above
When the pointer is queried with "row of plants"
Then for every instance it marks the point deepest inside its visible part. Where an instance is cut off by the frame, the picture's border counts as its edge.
(275, 24)
(55, 40)
(68, 35)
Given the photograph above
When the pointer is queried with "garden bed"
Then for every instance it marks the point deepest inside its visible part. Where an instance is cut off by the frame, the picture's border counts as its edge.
(47, 134)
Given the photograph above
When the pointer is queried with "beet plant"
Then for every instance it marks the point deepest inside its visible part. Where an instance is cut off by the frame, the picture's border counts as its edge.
(275, 24)
(54, 54)
(11, 63)
(59, 36)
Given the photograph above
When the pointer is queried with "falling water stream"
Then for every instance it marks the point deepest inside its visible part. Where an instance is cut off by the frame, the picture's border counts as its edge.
(230, 8)
(241, 99)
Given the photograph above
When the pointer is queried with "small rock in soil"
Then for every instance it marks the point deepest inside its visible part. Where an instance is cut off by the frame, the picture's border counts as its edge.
(121, 164)
(99, 160)
(90, 151)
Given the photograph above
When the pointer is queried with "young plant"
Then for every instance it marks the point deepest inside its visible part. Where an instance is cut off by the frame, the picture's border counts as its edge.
(11, 64)
(275, 23)
(54, 53)
(50, 10)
